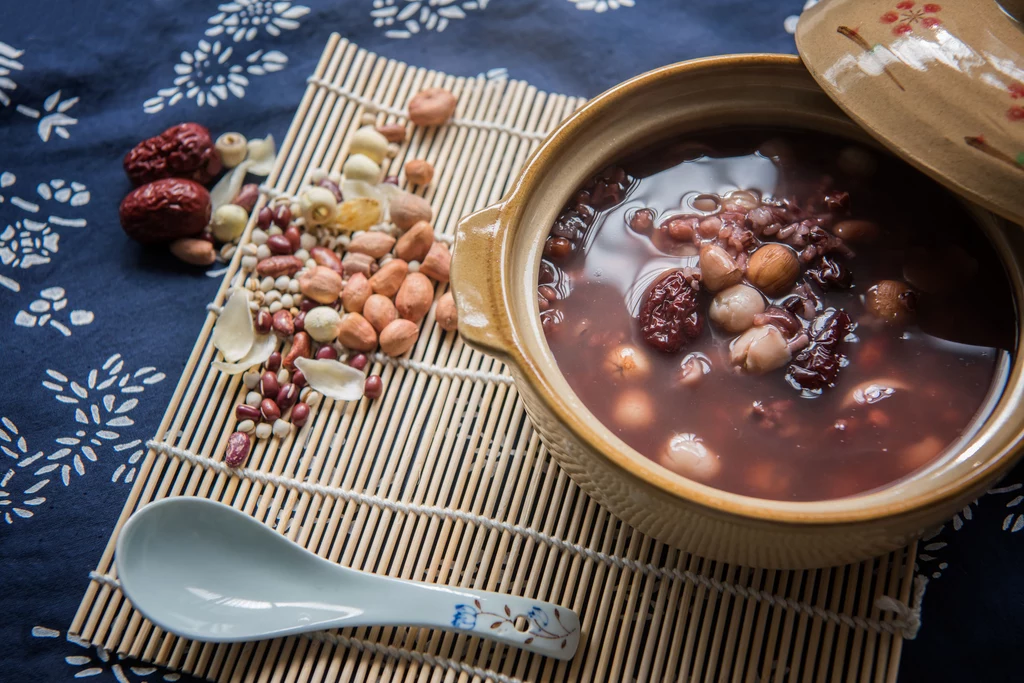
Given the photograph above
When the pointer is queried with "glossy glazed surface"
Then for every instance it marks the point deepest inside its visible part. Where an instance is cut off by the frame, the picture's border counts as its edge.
(206, 571)
(938, 82)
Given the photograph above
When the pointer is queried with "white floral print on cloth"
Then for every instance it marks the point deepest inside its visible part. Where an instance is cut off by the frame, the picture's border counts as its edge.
(929, 561)
(47, 309)
(406, 18)
(210, 74)
(213, 72)
(26, 242)
(99, 426)
(243, 20)
(87, 661)
(8, 64)
(600, 6)
(52, 115)
(1014, 521)
(53, 118)
(496, 74)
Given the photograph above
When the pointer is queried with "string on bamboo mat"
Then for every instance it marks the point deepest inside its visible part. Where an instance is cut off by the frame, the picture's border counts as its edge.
(371, 106)
(368, 646)
(906, 624)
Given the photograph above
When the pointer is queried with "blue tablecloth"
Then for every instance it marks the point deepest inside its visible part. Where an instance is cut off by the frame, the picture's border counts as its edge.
(96, 330)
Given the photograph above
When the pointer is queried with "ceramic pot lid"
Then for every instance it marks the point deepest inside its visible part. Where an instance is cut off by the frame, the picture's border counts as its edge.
(939, 83)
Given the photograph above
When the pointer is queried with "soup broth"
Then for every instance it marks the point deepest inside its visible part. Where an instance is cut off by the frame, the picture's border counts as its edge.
(775, 313)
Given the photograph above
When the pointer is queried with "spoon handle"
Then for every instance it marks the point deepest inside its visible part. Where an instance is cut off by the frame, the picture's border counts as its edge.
(531, 625)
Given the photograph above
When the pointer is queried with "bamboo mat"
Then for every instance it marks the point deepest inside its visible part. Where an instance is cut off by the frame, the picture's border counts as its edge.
(444, 480)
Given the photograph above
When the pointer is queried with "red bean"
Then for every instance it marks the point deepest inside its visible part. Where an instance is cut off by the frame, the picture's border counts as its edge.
(264, 321)
(300, 413)
(237, 450)
(373, 387)
(269, 410)
(264, 218)
(244, 411)
(359, 361)
(282, 216)
(298, 379)
(327, 352)
(287, 396)
(274, 361)
(283, 324)
(279, 245)
(300, 321)
(294, 237)
(557, 248)
(269, 386)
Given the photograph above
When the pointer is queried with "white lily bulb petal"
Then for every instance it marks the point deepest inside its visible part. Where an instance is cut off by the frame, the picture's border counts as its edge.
(332, 378)
(234, 334)
(262, 155)
(262, 347)
(227, 187)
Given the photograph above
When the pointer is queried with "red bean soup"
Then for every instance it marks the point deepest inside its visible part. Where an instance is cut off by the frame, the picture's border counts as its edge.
(776, 313)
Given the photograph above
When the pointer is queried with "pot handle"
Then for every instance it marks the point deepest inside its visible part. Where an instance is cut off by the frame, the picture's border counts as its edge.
(477, 279)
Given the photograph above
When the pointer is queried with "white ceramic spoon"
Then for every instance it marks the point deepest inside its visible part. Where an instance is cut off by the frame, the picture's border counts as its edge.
(206, 571)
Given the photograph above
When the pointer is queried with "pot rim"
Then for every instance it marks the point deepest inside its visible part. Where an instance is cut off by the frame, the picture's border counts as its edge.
(887, 503)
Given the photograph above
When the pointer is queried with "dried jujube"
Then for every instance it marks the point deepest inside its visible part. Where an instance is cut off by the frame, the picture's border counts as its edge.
(818, 365)
(165, 210)
(670, 314)
(182, 151)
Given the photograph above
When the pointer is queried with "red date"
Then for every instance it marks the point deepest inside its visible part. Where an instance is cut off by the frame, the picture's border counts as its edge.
(182, 151)
(165, 210)
(817, 366)
(669, 314)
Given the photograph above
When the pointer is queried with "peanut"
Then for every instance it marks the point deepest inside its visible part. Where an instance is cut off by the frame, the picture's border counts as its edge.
(446, 314)
(414, 244)
(194, 251)
(276, 266)
(326, 257)
(392, 132)
(380, 311)
(408, 209)
(355, 294)
(437, 262)
(399, 337)
(419, 171)
(374, 244)
(321, 284)
(283, 324)
(301, 346)
(432, 107)
(356, 333)
(359, 263)
(414, 297)
(389, 278)
(247, 196)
